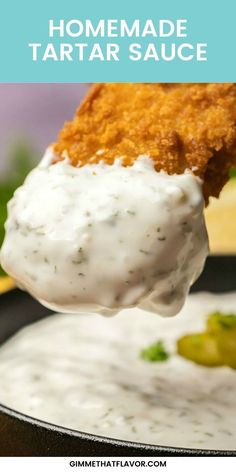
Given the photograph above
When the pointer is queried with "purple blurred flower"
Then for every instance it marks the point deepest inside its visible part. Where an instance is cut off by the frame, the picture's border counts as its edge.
(35, 112)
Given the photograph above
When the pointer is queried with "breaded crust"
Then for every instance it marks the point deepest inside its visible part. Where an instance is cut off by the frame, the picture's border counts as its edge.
(179, 126)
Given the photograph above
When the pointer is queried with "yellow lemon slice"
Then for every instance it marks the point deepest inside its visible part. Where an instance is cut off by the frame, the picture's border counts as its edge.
(221, 220)
(6, 283)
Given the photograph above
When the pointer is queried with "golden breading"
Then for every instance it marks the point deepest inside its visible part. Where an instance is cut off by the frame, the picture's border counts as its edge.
(178, 125)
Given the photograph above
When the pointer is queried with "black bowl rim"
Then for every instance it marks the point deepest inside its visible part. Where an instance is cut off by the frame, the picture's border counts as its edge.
(112, 441)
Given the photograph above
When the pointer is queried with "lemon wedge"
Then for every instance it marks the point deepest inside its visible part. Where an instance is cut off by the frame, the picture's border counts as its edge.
(221, 220)
(6, 283)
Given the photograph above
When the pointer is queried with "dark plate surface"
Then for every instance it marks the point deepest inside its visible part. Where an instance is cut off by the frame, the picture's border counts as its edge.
(24, 436)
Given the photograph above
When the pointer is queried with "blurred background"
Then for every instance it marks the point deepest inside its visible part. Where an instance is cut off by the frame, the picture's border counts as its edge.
(31, 116)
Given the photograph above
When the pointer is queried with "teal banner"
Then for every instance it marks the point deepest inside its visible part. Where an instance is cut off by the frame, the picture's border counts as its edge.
(118, 41)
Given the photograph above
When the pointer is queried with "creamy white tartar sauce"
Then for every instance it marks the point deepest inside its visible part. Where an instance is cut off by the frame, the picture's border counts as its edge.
(103, 237)
(85, 373)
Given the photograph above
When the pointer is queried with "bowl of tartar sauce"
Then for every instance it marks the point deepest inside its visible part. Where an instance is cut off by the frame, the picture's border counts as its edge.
(76, 385)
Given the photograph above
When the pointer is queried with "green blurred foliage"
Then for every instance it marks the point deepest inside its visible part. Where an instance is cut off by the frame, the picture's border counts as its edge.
(20, 161)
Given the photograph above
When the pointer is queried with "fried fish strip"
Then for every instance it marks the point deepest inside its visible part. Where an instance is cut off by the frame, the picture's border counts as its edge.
(180, 126)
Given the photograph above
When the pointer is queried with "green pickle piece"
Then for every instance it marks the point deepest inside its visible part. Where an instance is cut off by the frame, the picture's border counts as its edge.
(226, 341)
(223, 326)
(215, 347)
(201, 348)
(218, 321)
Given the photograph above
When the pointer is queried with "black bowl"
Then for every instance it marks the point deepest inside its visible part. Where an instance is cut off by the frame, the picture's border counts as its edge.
(21, 435)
